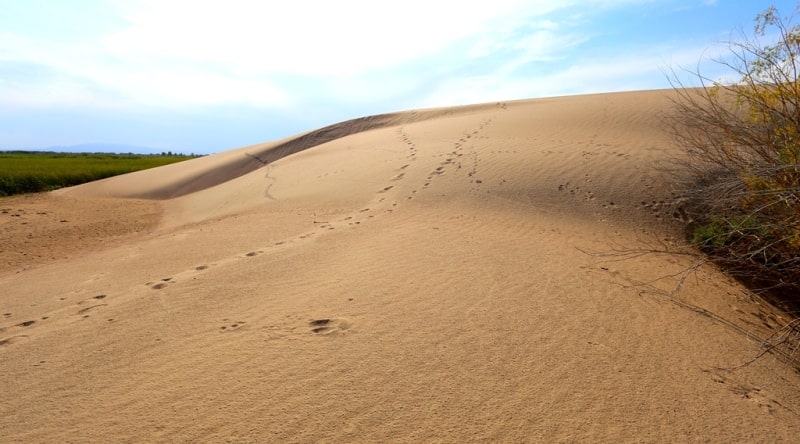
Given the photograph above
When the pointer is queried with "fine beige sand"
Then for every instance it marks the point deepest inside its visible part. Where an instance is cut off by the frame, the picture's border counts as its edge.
(487, 273)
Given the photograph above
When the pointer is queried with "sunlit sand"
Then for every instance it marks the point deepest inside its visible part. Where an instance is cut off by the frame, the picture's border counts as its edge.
(446, 275)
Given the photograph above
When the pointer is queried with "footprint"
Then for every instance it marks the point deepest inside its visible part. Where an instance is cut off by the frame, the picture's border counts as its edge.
(327, 326)
(12, 339)
(91, 307)
(320, 325)
(92, 299)
(232, 326)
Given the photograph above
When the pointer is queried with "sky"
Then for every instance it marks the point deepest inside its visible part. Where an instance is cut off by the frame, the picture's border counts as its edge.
(198, 76)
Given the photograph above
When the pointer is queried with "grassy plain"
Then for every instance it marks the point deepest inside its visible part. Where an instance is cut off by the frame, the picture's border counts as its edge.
(31, 172)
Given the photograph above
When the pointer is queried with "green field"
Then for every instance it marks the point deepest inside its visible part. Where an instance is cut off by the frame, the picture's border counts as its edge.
(31, 172)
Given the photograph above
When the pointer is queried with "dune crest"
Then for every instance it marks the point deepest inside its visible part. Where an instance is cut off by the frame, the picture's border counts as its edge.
(483, 273)
(204, 173)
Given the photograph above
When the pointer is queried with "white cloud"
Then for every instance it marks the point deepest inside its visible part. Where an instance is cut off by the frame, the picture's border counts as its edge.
(590, 73)
(306, 37)
(182, 53)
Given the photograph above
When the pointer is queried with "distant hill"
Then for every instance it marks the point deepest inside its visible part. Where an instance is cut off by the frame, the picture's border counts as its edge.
(96, 148)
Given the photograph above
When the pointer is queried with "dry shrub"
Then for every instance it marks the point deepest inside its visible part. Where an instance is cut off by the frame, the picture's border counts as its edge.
(742, 148)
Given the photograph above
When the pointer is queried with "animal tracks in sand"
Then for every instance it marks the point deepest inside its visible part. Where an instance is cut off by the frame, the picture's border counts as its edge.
(758, 395)
(298, 328)
(406, 182)
(160, 285)
(83, 311)
(12, 339)
(402, 183)
(31, 325)
(400, 186)
(464, 145)
(587, 195)
(86, 307)
(327, 326)
(231, 326)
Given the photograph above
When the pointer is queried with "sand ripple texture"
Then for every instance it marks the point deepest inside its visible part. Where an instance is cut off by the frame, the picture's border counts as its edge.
(487, 273)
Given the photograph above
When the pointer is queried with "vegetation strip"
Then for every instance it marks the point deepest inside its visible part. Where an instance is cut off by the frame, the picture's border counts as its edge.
(37, 171)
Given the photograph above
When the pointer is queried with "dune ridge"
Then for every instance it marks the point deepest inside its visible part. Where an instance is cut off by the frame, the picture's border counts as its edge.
(491, 273)
(202, 174)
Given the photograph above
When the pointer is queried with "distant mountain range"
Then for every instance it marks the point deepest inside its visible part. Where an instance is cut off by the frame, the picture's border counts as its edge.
(95, 148)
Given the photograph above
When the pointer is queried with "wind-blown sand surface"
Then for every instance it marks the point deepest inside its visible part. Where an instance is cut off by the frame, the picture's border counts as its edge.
(433, 276)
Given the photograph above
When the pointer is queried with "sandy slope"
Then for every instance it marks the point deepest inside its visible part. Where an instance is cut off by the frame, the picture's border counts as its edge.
(430, 276)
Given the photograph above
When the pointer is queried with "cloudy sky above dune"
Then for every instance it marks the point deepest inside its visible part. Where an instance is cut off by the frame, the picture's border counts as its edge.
(207, 76)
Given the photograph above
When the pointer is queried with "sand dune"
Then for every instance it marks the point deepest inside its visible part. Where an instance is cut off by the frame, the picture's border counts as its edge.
(467, 274)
